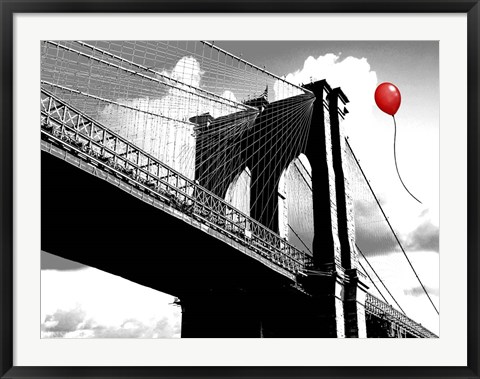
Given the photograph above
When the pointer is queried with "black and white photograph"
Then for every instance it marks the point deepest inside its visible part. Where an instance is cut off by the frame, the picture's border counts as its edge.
(239, 189)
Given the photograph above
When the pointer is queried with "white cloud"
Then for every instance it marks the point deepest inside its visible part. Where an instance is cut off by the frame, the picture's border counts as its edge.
(187, 70)
(92, 303)
(352, 74)
(229, 95)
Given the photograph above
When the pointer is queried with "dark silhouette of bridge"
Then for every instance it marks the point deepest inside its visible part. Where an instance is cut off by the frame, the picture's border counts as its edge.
(111, 204)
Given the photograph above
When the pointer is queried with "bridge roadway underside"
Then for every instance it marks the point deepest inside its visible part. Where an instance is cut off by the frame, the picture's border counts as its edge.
(223, 292)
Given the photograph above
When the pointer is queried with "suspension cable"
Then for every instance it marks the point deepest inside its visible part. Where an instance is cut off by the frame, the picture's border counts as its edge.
(391, 228)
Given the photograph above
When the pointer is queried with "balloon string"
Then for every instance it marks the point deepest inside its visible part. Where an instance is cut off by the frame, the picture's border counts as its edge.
(395, 157)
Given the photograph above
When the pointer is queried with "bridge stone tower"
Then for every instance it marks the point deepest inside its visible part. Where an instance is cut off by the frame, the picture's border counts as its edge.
(339, 286)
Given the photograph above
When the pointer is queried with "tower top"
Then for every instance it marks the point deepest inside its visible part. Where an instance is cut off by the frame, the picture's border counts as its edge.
(322, 85)
(259, 102)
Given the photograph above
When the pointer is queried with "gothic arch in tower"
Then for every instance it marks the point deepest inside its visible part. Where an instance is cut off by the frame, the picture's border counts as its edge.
(295, 204)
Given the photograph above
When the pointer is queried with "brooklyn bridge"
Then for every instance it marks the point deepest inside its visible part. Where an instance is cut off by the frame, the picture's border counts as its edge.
(187, 169)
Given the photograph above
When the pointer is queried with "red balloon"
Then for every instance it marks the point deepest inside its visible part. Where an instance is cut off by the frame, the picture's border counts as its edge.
(388, 98)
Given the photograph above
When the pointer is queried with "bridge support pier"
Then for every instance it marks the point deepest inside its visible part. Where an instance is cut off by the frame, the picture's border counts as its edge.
(219, 316)
(273, 314)
(328, 297)
(354, 305)
(339, 304)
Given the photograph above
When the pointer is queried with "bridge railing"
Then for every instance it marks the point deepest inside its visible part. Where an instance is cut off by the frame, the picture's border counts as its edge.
(381, 309)
(80, 134)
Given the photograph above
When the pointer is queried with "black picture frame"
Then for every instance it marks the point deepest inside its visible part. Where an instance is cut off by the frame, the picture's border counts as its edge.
(10, 8)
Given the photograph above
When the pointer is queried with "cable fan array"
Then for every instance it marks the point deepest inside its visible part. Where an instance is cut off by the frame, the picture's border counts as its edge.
(150, 108)
(192, 105)
(300, 204)
(277, 137)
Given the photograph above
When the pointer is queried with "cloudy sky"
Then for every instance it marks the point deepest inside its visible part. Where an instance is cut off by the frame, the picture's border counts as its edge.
(73, 296)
